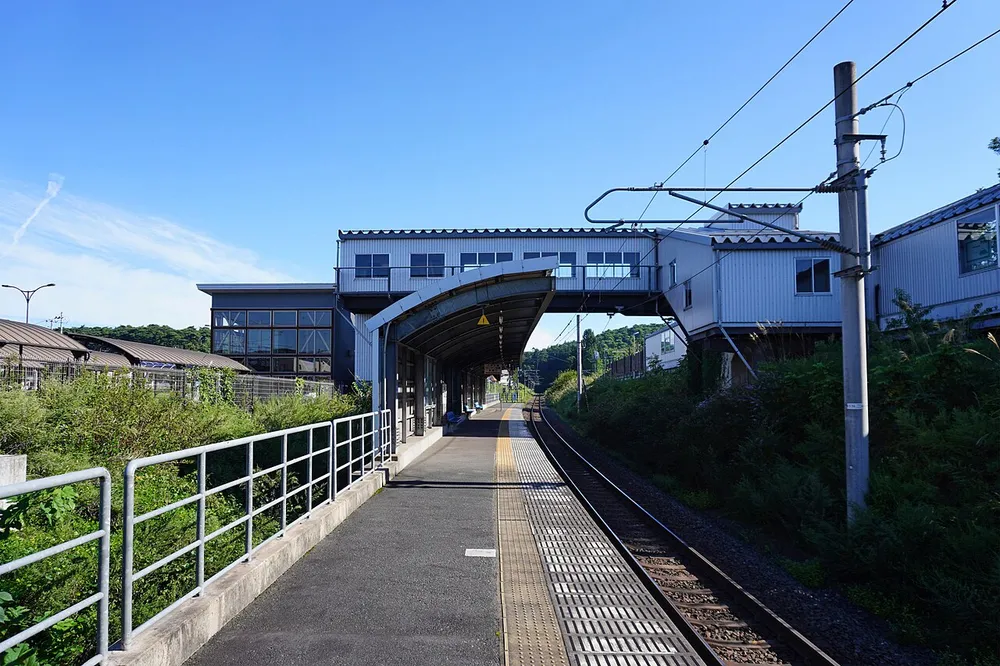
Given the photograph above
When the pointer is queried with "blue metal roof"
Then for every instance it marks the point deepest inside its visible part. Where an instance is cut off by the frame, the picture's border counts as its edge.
(978, 200)
(350, 234)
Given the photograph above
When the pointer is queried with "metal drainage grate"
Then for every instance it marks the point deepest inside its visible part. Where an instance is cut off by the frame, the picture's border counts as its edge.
(608, 618)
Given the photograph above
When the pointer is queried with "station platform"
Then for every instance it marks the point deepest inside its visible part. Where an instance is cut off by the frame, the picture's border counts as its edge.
(476, 554)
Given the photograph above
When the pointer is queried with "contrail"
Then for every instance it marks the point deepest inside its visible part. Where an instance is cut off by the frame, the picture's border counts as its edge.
(55, 184)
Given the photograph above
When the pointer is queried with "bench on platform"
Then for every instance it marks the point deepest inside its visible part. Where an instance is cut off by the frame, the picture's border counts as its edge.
(453, 420)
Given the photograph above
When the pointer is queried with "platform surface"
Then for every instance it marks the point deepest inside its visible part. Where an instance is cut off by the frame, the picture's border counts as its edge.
(476, 554)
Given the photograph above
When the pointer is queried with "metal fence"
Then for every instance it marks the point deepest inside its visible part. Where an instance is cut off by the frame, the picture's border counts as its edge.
(103, 534)
(246, 389)
(348, 446)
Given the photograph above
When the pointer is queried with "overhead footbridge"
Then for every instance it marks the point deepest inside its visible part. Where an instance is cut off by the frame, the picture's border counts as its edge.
(432, 350)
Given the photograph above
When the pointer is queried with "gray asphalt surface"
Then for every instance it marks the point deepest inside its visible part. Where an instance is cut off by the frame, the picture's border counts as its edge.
(392, 584)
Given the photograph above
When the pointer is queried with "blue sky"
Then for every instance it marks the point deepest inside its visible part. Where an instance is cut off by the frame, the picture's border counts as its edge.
(230, 141)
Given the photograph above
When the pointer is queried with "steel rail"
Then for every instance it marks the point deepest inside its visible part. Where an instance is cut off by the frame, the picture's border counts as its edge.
(701, 566)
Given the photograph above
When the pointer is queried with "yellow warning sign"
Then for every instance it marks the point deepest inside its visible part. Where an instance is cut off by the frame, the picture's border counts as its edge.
(483, 321)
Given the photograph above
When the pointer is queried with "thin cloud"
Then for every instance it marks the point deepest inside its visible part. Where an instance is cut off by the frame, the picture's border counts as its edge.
(51, 190)
(114, 266)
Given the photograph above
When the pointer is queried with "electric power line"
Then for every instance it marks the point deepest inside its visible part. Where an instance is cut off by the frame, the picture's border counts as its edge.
(945, 5)
(704, 143)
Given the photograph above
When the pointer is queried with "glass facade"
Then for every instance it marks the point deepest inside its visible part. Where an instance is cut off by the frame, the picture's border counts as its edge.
(288, 343)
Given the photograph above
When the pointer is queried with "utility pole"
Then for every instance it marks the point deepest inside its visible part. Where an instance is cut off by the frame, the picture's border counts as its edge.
(853, 235)
(579, 365)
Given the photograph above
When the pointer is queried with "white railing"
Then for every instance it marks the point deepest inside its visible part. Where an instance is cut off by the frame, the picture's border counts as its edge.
(348, 446)
(102, 534)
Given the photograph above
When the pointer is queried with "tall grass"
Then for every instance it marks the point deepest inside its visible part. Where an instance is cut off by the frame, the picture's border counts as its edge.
(925, 554)
(94, 421)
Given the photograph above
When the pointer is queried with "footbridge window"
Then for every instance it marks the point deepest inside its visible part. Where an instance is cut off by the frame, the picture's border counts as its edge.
(612, 264)
(371, 265)
(473, 260)
(427, 265)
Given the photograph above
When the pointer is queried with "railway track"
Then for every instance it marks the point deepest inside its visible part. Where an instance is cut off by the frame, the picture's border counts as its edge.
(726, 624)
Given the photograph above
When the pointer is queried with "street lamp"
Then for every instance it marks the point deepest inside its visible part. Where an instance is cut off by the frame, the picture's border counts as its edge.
(27, 295)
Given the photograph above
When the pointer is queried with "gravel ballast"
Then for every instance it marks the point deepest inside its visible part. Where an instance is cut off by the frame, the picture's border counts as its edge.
(847, 633)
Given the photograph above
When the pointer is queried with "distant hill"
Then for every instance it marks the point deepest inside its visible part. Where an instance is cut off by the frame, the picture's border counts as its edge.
(611, 345)
(196, 339)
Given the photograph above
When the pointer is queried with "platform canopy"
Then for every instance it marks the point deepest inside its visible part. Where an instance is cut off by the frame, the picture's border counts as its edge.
(482, 316)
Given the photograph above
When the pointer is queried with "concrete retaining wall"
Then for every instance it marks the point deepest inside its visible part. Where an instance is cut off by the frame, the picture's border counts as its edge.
(13, 469)
(176, 637)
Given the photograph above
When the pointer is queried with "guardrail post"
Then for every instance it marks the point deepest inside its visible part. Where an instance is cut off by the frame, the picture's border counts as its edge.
(104, 567)
(350, 452)
(309, 477)
(333, 461)
(128, 536)
(249, 500)
(200, 564)
(284, 483)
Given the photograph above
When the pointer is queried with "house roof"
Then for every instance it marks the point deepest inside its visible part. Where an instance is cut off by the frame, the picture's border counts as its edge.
(981, 198)
(139, 352)
(266, 287)
(16, 333)
(35, 357)
(109, 360)
(354, 234)
(766, 238)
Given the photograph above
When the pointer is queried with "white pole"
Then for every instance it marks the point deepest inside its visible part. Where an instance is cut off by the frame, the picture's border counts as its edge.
(579, 365)
(852, 294)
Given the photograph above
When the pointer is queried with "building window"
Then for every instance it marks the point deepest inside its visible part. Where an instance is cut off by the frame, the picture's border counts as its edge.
(812, 276)
(673, 273)
(310, 364)
(285, 318)
(977, 241)
(666, 342)
(427, 265)
(284, 342)
(471, 260)
(286, 365)
(319, 318)
(230, 318)
(314, 341)
(567, 265)
(262, 365)
(371, 265)
(613, 264)
(259, 318)
(259, 342)
(229, 341)
(688, 295)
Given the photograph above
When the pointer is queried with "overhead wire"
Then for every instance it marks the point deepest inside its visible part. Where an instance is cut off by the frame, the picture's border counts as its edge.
(703, 146)
(944, 7)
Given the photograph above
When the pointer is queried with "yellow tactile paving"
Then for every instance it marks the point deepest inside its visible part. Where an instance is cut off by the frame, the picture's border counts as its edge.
(531, 630)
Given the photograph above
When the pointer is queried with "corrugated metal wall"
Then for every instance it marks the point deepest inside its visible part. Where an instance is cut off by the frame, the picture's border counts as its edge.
(925, 264)
(691, 259)
(666, 360)
(759, 286)
(362, 348)
(400, 249)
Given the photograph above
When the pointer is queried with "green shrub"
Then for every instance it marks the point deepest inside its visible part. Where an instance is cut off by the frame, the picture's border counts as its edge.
(925, 553)
(102, 420)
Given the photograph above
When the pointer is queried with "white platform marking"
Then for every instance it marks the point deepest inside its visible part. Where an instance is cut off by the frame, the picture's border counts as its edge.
(480, 552)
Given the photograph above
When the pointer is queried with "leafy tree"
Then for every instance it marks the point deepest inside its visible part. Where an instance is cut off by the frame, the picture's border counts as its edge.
(994, 145)
(195, 339)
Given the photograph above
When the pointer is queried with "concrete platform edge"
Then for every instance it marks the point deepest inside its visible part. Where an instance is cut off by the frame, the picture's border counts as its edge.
(178, 636)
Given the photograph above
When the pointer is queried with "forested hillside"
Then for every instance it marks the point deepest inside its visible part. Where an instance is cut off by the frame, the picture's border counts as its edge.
(610, 345)
(197, 339)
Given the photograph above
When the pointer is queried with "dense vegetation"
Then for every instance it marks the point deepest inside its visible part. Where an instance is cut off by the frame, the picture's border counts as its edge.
(610, 346)
(926, 553)
(97, 420)
(196, 339)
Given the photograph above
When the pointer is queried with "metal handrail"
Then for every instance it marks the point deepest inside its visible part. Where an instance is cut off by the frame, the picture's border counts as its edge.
(365, 453)
(103, 562)
(591, 277)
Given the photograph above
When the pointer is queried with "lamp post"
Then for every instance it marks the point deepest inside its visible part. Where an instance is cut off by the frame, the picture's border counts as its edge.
(27, 295)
